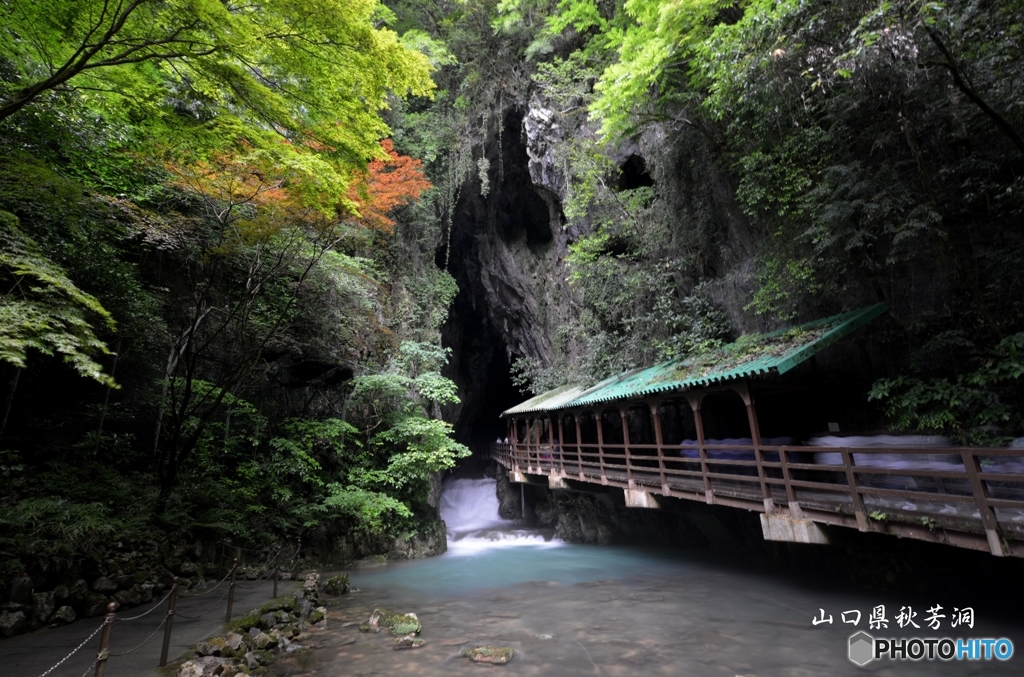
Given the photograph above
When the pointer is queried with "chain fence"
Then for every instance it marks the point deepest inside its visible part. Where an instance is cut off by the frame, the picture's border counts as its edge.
(271, 569)
(74, 651)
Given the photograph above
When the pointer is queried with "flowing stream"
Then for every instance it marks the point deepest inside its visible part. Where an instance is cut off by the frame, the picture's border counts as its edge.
(592, 610)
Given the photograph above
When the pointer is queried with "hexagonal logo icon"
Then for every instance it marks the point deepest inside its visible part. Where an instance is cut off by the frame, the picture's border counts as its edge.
(862, 648)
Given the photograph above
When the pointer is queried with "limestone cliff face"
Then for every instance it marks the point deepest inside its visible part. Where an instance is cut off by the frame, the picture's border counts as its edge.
(507, 253)
(508, 249)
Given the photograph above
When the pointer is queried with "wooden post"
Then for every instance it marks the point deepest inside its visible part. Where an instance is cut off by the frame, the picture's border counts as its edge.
(170, 622)
(659, 442)
(561, 446)
(599, 420)
(231, 590)
(579, 446)
(535, 436)
(787, 477)
(104, 653)
(851, 482)
(698, 423)
(755, 437)
(623, 414)
(988, 517)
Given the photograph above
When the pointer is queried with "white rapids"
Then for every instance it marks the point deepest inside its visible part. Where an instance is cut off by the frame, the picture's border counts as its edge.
(469, 509)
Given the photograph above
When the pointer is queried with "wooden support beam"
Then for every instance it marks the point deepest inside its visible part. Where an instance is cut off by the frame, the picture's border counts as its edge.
(600, 446)
(698, 422)
(858, 500)
(980, 491)
(755, 436)
(659, 443)
(623, 415)
(579, 446)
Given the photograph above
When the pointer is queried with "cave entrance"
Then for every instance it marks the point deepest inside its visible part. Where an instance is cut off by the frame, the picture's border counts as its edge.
(498, 394)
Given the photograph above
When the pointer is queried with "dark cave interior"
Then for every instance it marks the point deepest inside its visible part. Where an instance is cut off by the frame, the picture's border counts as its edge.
(511, 215)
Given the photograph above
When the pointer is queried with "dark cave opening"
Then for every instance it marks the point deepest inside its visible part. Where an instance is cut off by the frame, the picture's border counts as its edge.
(633, 174)
(499, 395)
(493, 240)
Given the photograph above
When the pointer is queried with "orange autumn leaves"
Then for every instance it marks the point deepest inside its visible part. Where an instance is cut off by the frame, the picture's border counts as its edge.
(263, 181)
(387, 185)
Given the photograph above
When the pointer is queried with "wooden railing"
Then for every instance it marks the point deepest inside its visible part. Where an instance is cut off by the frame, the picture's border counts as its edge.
(966, 496)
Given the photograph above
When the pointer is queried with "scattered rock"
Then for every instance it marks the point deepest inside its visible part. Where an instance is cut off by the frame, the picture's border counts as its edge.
(212, 647)
(234, 641)
(43, 605)
(104, 584)
(12, 623)
(264, 641)
(337, 585)
(63, 616)
(499, 655)
(130, 597)
(205, 666)
(258, 657)
(95, 604)
(78, 592)
(400, 624)
(407, 642)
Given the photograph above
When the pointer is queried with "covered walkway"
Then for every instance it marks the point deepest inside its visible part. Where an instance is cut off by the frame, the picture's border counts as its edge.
(691, 430)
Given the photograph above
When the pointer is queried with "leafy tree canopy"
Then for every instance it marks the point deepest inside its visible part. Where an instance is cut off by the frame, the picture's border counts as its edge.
(314, 73)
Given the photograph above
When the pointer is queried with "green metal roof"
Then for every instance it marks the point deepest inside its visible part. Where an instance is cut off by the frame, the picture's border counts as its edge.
(549, 401)
(749, 356)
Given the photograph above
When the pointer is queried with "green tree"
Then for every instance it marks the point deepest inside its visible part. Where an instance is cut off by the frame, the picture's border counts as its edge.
(318, 72)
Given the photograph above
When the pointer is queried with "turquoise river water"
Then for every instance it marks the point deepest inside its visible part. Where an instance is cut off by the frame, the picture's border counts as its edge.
(610, 611)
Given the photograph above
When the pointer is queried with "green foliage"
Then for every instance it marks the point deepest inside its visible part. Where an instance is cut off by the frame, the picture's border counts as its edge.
(424, 446)
(43, 310)
(371, 510)
(977, 407)
(296, 67)
(54, 531)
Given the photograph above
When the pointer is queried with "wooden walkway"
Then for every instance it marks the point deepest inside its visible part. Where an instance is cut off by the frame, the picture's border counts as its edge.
(962, 496)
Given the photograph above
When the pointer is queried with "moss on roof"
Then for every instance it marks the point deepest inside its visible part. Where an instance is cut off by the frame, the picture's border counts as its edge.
(750, 355)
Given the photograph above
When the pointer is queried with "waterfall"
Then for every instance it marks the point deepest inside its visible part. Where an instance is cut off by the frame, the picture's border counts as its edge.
(469, 509)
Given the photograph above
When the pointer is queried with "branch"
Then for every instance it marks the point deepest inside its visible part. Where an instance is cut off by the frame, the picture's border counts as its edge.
(961, 82)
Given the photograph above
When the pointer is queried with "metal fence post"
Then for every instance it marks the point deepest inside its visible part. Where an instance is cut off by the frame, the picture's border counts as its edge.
(170, 621)
(231, 590)
(104, 653)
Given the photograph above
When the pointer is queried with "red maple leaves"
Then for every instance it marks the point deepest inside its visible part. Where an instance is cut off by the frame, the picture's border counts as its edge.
(387, 185)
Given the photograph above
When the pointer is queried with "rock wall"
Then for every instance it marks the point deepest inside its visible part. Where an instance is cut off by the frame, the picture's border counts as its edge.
(507, 251)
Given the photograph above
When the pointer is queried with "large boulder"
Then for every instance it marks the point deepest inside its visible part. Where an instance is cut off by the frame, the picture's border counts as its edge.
(13, 623)
(43, 605)
(63, 616)
(131, 597)
(95, 604)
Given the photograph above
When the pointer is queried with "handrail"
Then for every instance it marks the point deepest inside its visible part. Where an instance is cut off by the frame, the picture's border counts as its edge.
(840, 480)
